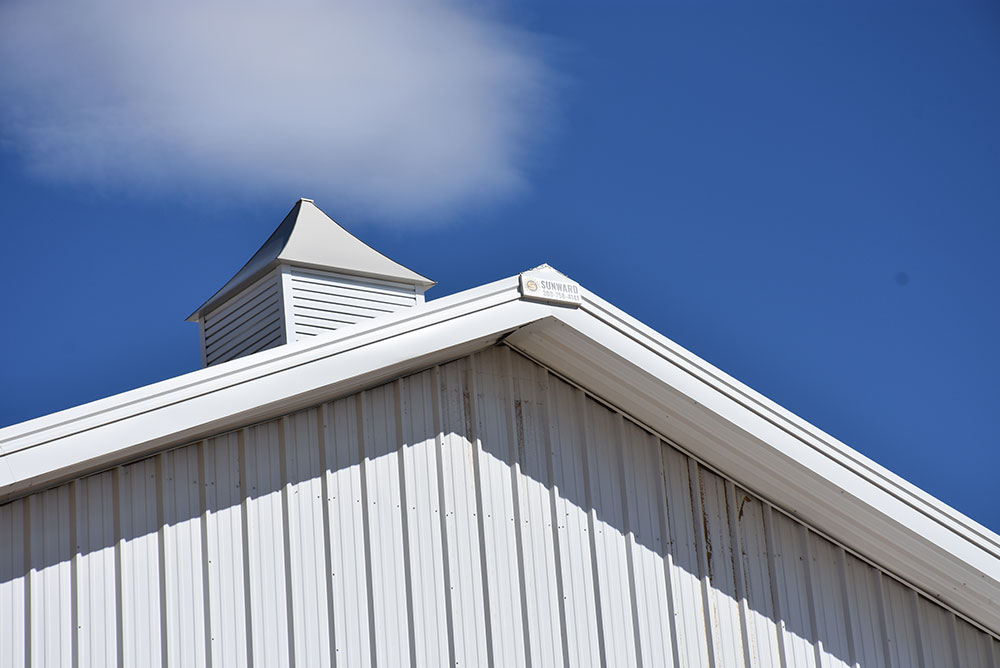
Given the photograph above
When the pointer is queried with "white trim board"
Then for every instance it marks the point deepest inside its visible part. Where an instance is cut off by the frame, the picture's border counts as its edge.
(719, 420)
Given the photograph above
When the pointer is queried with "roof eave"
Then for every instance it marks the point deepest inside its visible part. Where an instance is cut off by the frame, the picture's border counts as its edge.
(823, 482)
(707, 413)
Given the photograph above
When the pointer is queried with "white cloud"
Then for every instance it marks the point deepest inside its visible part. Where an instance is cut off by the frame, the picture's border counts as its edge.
(405, 110)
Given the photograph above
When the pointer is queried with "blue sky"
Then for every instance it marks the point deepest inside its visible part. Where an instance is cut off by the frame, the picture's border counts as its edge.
(805, 197)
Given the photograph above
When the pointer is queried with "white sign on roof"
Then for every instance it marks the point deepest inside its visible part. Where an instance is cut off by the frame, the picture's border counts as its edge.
(550, 286)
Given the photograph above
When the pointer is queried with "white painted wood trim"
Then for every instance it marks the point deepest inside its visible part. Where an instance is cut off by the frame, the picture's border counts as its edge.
(201, 340)
(285, 290)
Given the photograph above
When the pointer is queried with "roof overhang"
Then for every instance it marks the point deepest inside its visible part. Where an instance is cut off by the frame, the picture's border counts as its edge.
(712, 416)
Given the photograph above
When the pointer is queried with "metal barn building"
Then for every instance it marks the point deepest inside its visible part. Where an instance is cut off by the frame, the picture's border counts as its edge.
(518, 474)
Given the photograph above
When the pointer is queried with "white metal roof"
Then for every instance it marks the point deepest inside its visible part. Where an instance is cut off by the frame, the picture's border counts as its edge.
(308, 237)
(714, 417)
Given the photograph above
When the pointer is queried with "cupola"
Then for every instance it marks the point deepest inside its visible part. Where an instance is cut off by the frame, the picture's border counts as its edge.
(310, 277)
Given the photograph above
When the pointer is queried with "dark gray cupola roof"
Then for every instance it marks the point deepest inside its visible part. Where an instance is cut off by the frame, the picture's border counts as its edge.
(307, 237)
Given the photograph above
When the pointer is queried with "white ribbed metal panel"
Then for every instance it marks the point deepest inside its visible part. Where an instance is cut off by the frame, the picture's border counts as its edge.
(249, 322)
(322, 301)
(482, 512)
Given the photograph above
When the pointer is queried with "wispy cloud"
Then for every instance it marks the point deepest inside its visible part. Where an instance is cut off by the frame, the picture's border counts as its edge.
(407, 110)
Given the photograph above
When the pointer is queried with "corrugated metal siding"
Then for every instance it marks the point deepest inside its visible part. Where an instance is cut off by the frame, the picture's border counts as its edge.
(479, 513)
(323, 301)
(248, 323)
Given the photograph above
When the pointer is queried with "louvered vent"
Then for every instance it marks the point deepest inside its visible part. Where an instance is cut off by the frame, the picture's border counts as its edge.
(311, 277)
(247, 324)
(324, 301)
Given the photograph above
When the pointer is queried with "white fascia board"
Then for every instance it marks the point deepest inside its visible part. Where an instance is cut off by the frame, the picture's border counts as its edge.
(717, 419)
(774, 453)
(812, 435)
(79, 440)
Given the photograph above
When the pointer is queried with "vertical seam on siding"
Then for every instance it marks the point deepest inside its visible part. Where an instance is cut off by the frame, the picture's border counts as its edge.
(739, 575)
(581, 398)
(397, 388)
(74, 577)
(205, 567)
(515, 476)
(359, 410)
(666, 531)
(245, 524)
(763, 497)
(773, 578)
(918, 640)
(553, 509)
(119, 629)
(953, 640)
(439, 462)
(28, 568)
(883, 619)
(852, 650)
(286, 541)
(817, 644)
(469, 395)
(161, 552)
(701, 538)
(620, 447)
(322, 424)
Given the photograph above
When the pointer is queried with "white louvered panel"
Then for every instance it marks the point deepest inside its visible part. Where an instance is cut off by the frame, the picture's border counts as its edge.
(245, 308)
(247, 323)
(248, 337)
(269, 335)
(480, 511)
(362, 288)
(324, 301)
